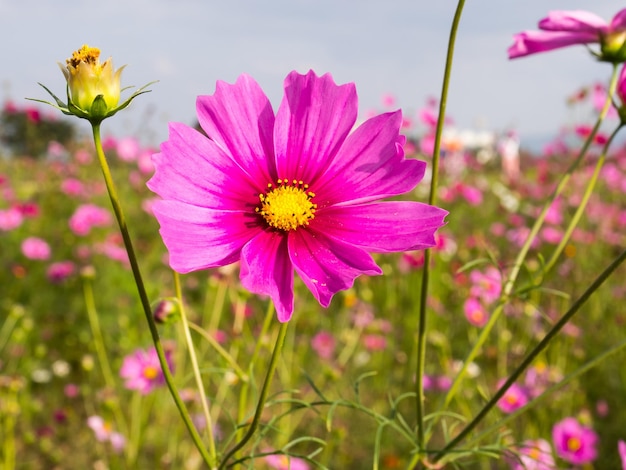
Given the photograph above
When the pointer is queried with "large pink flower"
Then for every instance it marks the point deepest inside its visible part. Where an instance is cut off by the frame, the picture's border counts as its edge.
(566, 28)
(291, 191)
(574, 442)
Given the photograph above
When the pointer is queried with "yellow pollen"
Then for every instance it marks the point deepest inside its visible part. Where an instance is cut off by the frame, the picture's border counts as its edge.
(573, 444)
(150, 373)
(287, 206)
(86, 54)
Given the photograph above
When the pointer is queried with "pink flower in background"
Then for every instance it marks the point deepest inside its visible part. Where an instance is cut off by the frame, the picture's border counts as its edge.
(295, 191)
(534, 455)
(36, 248)
(515, 397)
(72, 187)
(59, 271)
(142, 370)
(283, 462)
(88, 216)
(10, 219)
(486, 285)
(621, 449)
(104, 433)
(475, 312)
(574, 442)
(323, 343)
(566, 28)
(374, 342)
(128, 149)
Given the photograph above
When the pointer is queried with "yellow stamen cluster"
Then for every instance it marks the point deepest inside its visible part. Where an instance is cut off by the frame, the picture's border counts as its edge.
(573, 444)
(287, 206)
(150, 372)
(89, 55)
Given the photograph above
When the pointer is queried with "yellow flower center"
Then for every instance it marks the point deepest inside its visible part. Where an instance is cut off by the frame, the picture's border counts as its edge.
(573, 444)
(287, 206)
(150, 373)
(89, 55)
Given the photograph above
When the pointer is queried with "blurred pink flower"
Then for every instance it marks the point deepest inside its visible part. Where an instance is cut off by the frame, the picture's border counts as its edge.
(621, 449)
(374, 342)
(128, 149)
(88, 216)
(283, 462)
(59, 271)
(142, 370)
(486, 285)
(388, 100)
(551, 235)
(565, 28)
(515, 397)
(574, 442)
(534, 455)
(471, 194)
(104, 433)
(72, 187)
(10, 219)
(323, 343)
(475, 312)
(36, 248)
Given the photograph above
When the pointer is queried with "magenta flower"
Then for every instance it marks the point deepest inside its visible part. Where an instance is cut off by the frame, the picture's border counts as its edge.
(60, 271)
(514, 398)
(534, 455)
(621, 449)
(36, 248)
(323, 343)
(486, 285)
(574, 442)
(475, 312)
(283, 462)
(104, 433)
(10, 219)
(566, 28)
(88, 216)
(142, 370)
(291, 191)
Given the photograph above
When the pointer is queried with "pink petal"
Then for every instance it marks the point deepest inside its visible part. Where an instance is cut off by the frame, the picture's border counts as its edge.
(531, 42)
(240, 119)
(194, 169)
(312, 122)
(370, 165)
(576, 21)
(200, 238)
(327, 265)
(618, 22)
(266, 269)
(382, 227)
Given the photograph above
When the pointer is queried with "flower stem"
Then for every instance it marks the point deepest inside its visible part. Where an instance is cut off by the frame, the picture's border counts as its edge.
(533, 354)
(521, 257)
(278, 345)
(421, 332)
(194, 366)
(143, 296)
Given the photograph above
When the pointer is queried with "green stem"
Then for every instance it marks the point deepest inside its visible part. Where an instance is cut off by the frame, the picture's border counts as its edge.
(278, 345)
(421, 331)
(221, 351)
(119, 215)
(533, 354)
(521, 257)
(195, 368)
(98, 341)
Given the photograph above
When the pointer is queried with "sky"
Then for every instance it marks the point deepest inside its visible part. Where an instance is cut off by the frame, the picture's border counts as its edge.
(395, 47)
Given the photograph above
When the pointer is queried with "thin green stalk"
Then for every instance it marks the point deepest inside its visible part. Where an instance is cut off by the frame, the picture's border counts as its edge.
(194, 366)
(421, 329)
(583, 204)
(221, 351)
(98, 341)
(530, 357)
(210, 460)
(263, 397)
(9, 439)
(521, 257)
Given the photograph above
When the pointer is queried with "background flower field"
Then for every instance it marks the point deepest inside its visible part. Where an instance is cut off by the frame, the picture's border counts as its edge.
(70, 321)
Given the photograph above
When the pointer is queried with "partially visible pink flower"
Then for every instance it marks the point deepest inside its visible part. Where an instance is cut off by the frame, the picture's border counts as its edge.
(29, 210)
(283, 462)
(323, 343)
(293, 192)
(104, 433)
(72, 187)
(374, 342)
(471, 194)
(574, 442)
(128, 149)
(142, 370)
(621, 449)
(10, 219)
(566, 28)
(534, 455)
(475, 312)
(36, 248)
(486, 285)
(59, 271)
(515, 397)
(88, 216)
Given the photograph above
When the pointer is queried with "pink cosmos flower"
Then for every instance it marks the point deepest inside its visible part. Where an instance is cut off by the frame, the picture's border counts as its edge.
(283, 462)
(142, 370)
(88, 216)
(574, 442)
(621, 449)
(104, 433)
(35, 248)
(566, 28)
(486, 285)
(475, 312)
(323, 343)
(514, 398)
(59, 271)
(291, 191)
(374, 342)
(534, 455)
(10, 219)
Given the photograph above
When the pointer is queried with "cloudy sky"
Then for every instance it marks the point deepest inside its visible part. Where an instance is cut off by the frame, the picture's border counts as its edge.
(384, 46)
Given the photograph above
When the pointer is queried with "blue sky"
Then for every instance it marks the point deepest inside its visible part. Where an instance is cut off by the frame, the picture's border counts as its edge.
(384, 46)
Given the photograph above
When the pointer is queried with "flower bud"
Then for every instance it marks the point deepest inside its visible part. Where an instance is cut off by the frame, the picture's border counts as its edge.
(93, 88)
(613, 47)
(166, 311)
